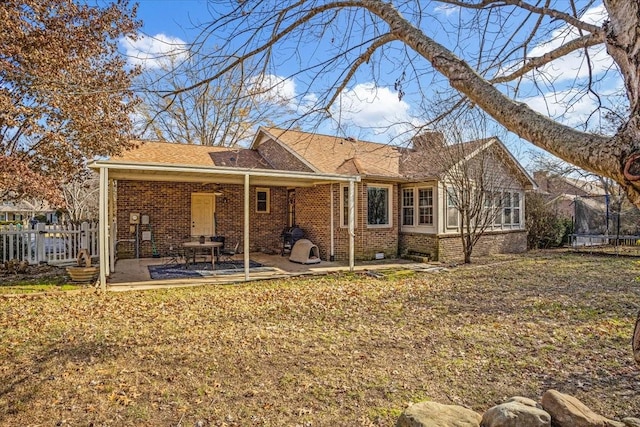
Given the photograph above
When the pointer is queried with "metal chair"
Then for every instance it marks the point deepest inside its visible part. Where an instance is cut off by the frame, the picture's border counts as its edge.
(226, 255)
(174, 257)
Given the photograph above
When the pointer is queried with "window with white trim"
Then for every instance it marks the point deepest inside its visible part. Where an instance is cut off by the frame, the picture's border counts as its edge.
(506, 206)
(511, 208)
(262, 200)
(378, 205)
(417, 206)
(452, 209)
(408, 206)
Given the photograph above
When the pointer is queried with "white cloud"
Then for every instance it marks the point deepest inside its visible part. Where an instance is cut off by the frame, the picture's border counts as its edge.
(573, 65)
(273, 88)
(375, 108)
(154, 52)
(571, 107)
(446, 9)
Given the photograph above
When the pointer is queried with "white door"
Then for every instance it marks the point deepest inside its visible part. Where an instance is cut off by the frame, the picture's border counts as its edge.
(202, 214)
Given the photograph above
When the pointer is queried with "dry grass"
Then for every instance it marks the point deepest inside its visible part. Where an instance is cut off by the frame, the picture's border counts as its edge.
(338, 350)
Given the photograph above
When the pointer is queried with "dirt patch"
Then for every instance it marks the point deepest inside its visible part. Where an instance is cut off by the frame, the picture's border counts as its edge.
(35, 274)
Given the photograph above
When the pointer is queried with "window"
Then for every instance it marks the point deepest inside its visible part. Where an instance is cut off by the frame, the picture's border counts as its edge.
(344, 205)
(452, 210)
(407, 206)
(262, 200)
(378, 202)
(506, 204)
(420, 213)
(497, 205)
(425, 206)
(511, 208)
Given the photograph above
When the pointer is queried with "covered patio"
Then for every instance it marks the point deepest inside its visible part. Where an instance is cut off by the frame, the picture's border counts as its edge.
(133, 274)
(116, 272)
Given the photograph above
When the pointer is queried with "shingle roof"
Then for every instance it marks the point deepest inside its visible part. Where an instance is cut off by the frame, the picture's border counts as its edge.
(188, 154)
(331, 154)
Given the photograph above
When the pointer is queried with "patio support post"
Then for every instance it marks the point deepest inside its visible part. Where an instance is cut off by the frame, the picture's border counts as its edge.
(332, 244)
(352, 219)
(112, 228)
(103, 226)
(246, 227)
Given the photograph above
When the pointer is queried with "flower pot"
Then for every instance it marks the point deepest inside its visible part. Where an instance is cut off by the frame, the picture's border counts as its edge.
(82, 274)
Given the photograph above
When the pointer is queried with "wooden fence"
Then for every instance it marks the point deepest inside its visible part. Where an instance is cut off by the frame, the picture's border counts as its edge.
(52, 244)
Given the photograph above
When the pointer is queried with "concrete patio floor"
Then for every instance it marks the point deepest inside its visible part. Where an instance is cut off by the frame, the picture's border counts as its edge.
(133, 274)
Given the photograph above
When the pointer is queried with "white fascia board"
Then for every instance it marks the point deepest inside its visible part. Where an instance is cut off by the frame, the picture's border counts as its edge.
(213, 170)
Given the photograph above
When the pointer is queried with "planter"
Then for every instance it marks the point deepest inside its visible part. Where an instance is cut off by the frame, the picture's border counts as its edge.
(83, 274)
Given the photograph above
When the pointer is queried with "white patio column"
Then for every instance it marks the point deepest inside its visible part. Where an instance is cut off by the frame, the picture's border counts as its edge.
(103, 251)
(352, 220)
(246, 226)
(331, 236)
(112, 228)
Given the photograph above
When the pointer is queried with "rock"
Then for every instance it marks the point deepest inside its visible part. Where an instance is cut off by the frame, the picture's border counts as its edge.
(567, 411)
(433, 414)
(516, 414)
(525, 401)
(631, 422)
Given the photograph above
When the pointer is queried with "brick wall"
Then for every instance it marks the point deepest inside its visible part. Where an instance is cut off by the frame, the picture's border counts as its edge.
(450, 247)
(418, 242)
(280, 158)
(168, 205)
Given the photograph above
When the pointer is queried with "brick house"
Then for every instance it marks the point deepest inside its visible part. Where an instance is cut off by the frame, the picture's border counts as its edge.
(288, 178)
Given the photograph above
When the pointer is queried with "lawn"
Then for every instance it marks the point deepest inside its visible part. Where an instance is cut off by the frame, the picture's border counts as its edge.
(324, 351)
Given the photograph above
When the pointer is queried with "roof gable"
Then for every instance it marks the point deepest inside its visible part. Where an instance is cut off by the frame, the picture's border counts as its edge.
(332, 154)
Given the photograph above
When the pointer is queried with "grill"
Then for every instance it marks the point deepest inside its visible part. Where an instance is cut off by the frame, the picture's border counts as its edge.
(290, 235)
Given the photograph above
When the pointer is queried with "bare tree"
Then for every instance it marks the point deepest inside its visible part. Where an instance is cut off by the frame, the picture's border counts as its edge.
(221, 112)
(81, 197)
(479, 187)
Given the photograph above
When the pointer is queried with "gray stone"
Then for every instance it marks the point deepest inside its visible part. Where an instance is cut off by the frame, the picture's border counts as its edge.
(525, 401)
(567, 411)
(433, 414)
(631, 422)
(515, 414)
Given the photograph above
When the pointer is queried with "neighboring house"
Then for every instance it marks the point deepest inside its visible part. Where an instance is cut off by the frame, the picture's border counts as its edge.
(25, 210)
(289, 178)
(562, 191)
(586, 202)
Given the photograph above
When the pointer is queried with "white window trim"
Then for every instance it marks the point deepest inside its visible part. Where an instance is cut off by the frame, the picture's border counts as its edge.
(417, 227)
(268, 194)
(344, 222)
(446, 211)
(501, 226)
(390, 210)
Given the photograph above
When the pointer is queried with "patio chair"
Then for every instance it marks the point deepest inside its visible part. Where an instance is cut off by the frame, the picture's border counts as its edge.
(174, 256)
(226, 255)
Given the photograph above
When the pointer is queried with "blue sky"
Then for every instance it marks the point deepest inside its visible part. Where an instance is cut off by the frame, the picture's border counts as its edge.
(169, 23)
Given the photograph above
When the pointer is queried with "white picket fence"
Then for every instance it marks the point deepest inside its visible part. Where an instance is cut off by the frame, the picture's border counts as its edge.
(53, 244)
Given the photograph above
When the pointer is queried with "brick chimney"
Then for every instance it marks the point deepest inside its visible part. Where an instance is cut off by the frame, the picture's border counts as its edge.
(427, 140)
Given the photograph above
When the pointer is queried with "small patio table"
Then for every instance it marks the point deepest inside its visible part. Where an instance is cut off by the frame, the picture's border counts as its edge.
(207, 244)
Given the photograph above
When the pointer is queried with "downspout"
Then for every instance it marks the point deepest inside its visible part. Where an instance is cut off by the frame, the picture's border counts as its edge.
(352, 216)
(246, 227)
(102, 218)
(332, 255)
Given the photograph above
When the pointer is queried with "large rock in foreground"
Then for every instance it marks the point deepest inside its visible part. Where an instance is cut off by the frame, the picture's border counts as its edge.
(567, 411)
(433, 414)
(516, 414)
